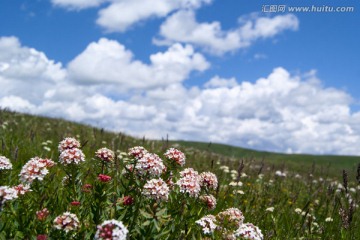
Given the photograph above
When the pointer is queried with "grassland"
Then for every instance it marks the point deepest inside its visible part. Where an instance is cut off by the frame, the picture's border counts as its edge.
(288, 196)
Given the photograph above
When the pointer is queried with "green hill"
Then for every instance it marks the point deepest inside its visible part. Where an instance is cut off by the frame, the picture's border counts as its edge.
(21, 136)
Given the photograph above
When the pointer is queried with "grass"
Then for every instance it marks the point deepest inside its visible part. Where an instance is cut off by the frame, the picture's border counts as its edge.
(315, 200)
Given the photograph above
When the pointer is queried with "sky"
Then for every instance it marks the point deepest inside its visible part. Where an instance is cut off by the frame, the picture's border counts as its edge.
(255, 74)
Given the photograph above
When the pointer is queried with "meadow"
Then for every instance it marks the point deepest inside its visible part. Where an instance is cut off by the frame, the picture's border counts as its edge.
(64, 180)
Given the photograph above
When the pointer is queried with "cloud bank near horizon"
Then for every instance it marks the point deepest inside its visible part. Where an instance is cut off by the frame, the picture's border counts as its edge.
(281, 112)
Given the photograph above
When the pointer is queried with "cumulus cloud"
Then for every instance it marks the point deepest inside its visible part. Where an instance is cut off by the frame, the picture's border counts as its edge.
(107, 61)
(25, 71)
(280, 112)
(182, 26)
(120, 15)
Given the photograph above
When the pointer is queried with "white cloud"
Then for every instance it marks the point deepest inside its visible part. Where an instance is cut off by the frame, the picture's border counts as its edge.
(183, 27)
(120, 15)
(25, 71)
(216, 82)
(107, 61)
(280, 112)
(77, 4)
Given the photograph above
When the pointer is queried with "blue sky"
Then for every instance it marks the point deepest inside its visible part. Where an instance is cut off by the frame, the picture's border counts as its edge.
(206, 70)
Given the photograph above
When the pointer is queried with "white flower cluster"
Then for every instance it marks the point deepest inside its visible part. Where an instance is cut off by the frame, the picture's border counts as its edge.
(5, 163)
(175, 155)
(208, 180)
(68, 143)
(10, 193)
(231, 223)
(70, 152)
(137, 152)
(189, 182)
(71, 156)
(249, 231)
(207, 223)
(150, 163)
(67, 222)
(105, 154)
(35, 168)
(111, 229)
(7, 193)
(156, 189)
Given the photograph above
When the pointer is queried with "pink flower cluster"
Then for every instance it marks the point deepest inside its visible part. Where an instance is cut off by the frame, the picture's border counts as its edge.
(35, 168)
(150, 164)
(209, 200)
(22, 189)
(105, 154)
(67, 222)
(70, 152)
(156, 189)
(41, 215)
(208, 180)
(137, 152)
(68, 143)
(249, 231)
(232, 216)
(111, 229)
(5, 163)
(189, 182)
(104, 178)
(175, 155)
(72, 156)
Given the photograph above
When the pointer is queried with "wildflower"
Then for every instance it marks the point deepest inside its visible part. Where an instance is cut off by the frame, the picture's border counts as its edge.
(7, 194)
(249, 231)
(47, 148)
(189, 182)
(329, 219)
(231, 217)
(104, 178)
(87, 187)
(209, 200)
(67, 222)
(234, 184)
(41, 237)
(68, 143)
(35, 168)
(5, 163)
(111, 229)
(298, 210)
(137, 152)
(240, 192)
(126, 201)
(105, 154)
(175, 155)
(270, 209)
(207, 223)
(72, 156)
(75, 203)
(150, 163)
(208, 180)
(42, 214)
(156, 189)
(280, 174)
(22, 189)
